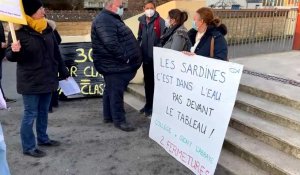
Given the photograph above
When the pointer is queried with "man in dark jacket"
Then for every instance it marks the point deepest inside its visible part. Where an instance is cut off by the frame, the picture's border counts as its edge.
(151, 28)
(38, 57)
(117, 57)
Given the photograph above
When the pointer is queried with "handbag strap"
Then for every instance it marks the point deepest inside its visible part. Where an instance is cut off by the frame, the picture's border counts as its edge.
(212, 47)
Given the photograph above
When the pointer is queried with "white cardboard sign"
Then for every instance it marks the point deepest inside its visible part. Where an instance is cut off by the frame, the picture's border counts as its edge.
(12, 11)
(193, 102)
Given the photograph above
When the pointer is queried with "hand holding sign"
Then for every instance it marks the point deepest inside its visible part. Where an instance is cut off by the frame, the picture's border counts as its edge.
(188, 53)
(16, 46)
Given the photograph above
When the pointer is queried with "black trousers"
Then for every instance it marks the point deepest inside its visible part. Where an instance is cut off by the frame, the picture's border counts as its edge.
(54, 100)
(113, 96)
(148, 70)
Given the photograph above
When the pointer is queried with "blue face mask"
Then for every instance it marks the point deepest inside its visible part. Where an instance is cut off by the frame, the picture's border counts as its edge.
(120, 11)
(194, 25)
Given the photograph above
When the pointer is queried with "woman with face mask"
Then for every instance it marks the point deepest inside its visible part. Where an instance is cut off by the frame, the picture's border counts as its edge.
(150, 29)
(175, 36)
(207, 35)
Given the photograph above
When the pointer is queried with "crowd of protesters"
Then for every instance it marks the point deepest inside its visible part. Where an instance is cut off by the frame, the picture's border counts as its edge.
(117, 56)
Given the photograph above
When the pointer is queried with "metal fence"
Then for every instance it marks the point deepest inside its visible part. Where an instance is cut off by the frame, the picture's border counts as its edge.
(258, 31)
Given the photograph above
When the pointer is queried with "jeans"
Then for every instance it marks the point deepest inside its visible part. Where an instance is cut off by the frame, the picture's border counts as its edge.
(113, 103)
(35, 107)
(4, 170)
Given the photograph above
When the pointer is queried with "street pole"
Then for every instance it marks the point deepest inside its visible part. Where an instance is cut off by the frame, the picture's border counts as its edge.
(296, 44)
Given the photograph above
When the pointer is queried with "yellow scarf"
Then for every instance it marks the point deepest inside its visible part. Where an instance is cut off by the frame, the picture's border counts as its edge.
(37, 24)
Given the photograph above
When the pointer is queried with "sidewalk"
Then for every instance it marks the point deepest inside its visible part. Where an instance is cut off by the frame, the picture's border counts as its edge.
(285, 64)
(92, 147)
(89, 147)
(277, 73)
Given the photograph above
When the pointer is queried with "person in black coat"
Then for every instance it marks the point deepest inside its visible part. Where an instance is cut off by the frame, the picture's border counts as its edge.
(207, 35)
(117, 57)
(38, 58)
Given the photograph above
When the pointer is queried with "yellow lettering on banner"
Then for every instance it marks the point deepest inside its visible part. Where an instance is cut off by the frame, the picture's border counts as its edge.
(101, 88)
(86, 73)
(90, 55)
(81, 54)
(84, 84)
(90, 72)
(84, 56)
(88, 89)
(59, 91)
(73, 71)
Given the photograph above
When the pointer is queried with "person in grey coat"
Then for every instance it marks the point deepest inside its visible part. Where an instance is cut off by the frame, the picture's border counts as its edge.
(176, 35)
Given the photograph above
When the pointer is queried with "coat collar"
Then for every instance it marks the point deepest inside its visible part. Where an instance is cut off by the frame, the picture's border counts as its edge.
(33, 32)
(108, 12)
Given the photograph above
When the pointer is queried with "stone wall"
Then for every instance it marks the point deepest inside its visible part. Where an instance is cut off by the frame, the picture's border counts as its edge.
(245, 25)
(74, 28)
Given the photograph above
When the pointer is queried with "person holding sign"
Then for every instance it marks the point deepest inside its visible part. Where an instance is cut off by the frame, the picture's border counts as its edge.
(37, 55)
(207, 35)
(117, 57)
(151, 28)
(176, 37)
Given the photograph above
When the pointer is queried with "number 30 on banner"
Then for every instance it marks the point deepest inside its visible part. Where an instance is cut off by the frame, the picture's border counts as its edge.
(81, 53)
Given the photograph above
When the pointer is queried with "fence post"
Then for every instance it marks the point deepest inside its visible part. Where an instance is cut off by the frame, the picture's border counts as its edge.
(296, 44)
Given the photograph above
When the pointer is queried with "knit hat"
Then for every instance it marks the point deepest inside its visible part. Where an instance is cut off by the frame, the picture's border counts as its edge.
(31, 6)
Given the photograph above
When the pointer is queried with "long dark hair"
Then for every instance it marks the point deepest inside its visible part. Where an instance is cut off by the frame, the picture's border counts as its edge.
(179, 16)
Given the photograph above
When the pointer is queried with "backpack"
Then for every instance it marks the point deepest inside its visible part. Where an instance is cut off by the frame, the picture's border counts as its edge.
(156, 27)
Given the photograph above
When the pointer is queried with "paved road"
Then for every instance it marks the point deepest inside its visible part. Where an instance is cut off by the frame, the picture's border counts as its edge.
(88, 145)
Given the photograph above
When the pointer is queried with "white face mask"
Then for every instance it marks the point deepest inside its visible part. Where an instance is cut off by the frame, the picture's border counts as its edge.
(167, 22)
(194, 25)
(120, 11)
(149, 12)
